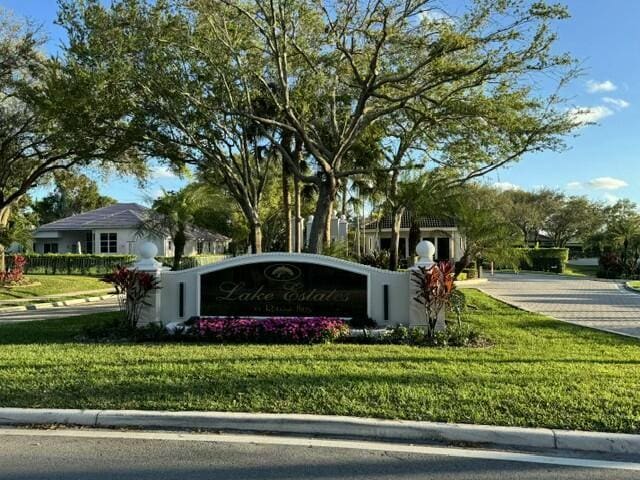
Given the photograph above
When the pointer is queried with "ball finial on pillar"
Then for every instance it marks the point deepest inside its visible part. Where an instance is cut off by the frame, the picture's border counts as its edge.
(146, 254)
(425, 251)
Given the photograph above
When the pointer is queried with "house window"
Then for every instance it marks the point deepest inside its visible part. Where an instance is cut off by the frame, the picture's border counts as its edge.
(50, 248)
(108, 243)
(199, 247)
(88, 243)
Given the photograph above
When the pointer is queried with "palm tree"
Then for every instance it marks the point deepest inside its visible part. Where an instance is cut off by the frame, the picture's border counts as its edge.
(172, 215)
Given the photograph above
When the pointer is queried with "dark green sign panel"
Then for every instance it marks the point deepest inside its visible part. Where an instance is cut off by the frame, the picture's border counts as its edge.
(287, 289)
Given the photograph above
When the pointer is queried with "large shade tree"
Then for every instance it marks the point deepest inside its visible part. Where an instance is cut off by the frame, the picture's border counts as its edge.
(74, 193)
(171, 75)
(45, 124)
(334, 69)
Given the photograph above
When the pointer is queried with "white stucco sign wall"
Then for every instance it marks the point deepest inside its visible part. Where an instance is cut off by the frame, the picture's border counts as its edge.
(283, 284)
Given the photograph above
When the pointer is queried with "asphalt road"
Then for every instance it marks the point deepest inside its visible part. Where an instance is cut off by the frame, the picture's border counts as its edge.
(34, 455)
(60, 312)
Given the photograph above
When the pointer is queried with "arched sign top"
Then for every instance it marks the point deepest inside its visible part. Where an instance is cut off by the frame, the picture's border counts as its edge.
(289, 258)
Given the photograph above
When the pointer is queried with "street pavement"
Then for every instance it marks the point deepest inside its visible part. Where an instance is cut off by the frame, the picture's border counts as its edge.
(48, 313)
(52, 455)
(602, 304)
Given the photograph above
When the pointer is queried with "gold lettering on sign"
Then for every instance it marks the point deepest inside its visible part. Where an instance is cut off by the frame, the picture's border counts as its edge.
(234, 291)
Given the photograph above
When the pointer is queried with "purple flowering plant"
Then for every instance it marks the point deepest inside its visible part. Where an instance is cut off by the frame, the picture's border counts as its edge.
(272, 330)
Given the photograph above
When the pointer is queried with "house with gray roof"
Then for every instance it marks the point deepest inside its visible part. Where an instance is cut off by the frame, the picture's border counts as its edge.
(442, 232)
(115, 230)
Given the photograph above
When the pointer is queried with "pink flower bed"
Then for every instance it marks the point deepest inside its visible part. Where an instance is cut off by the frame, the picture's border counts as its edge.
(274, 330)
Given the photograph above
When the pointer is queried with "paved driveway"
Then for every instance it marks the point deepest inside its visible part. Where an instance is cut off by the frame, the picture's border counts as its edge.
(605, 305)
(108, 305)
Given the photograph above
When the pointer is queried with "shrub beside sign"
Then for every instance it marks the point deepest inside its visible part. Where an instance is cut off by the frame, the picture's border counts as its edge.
(283, 289)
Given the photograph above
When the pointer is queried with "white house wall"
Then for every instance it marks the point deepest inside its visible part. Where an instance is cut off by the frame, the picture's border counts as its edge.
(127, 242)
(456, 240)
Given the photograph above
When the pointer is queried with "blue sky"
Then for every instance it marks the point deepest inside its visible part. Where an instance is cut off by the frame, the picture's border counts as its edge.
(601, 162)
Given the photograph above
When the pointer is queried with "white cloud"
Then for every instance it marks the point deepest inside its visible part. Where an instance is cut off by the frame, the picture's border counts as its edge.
(610, 199)
(607, 183)
(606, 86)
(587, 115)
(618, 102)
(435, 16)
(506, 186)
(162, 172)
(574, 185)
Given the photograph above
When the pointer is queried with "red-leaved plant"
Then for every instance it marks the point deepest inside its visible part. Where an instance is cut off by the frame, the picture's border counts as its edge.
(434, 287)
(132, 287)
(15, 274)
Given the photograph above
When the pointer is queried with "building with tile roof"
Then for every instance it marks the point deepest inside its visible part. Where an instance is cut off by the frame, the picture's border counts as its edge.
(442, 232)
(115, 229)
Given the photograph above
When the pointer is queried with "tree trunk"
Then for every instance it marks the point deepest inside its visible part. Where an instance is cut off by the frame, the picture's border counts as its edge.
(343, 208)
(414, 239)
(327, 229)
(179, 242)
(297, 236)
(255, 236)
(5, 212)
(462, 264)
(286, 205)
(395, 238)
(326, 196)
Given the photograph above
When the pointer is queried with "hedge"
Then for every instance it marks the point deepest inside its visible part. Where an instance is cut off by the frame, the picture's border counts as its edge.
(84, 264)
(545, 259)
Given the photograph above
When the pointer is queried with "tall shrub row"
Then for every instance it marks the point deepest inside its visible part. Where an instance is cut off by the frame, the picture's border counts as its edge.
(84, 264)
(72, 264)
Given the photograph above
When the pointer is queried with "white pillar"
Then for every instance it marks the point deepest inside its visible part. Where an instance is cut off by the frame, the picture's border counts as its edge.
(425, 251)
(308, 229)
(343, 228)
(147, 263)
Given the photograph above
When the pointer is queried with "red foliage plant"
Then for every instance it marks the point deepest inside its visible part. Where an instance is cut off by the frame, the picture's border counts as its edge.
(132, 287)
(15, 274)
(434, 288)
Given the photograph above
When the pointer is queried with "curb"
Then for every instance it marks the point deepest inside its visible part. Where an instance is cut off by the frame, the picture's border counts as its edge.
(471, 283)
(61, 303)
(332, 426)
(630, 288)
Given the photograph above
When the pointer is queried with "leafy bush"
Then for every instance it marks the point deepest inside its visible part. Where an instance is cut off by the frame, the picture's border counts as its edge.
(376, 258)
(15, 274)
(544, 259)
(610, 265)
(460, 335)
(469, 274)
(363, 323)
(271, 330)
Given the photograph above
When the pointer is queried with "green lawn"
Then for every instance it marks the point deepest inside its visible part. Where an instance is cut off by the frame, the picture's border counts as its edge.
(540, 372)
(50, 285)
(581, 270)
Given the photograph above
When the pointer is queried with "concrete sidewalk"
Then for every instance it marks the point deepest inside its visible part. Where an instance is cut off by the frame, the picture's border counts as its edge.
(333, 426)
